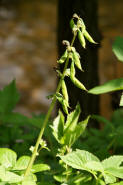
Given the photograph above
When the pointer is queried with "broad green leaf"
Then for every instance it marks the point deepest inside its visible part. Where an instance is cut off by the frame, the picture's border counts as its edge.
(58, 126)
(78, 159)
(29, 180)
(39, 168)
(113, 161)
(11, 177)
(73, 134)
(7, 157)
(2, 172)
(22, 163)
(121, 100)
(118, 183)
(109, 178)
(117, 48)
(112, 85)
(117, 172)
(95, 166)
(9, 96)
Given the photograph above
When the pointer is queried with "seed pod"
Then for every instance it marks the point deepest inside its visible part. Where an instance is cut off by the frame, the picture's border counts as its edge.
(64, 91)
(63, 57)
(78, 84)
(72, 70)
(67, 72)
(77, 60)
(64, 106)
(88, 37)
(81, 39)
(72, 24)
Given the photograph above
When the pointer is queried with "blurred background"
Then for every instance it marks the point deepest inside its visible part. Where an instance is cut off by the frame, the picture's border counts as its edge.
(28, 49)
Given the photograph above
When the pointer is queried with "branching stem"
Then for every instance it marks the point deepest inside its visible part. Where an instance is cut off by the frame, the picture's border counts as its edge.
(33, 157)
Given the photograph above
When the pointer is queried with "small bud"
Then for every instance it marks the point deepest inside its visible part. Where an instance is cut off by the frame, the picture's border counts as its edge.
(66, 42)
(75, 16)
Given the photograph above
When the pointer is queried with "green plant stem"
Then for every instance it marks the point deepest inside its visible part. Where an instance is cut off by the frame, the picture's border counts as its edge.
(33, 157)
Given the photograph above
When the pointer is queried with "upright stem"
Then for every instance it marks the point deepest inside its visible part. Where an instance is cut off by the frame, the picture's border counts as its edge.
(33, 157)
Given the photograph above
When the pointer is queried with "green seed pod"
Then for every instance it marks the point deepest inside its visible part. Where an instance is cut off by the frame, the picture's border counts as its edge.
(81, 39)
(88, 37)
(72, 24)
(64, 106)
(64, 91)
(63, 57)
(67, 72)
(72, 70)
(77, 60)
(78, 84)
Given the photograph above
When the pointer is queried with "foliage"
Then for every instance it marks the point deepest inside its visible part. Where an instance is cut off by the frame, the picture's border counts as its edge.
(67, 166)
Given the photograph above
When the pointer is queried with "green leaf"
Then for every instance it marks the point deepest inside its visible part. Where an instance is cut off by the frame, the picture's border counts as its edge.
(39, 168)
(118, 183)
(121, 100)
(9, 96)
(60, 178)
(7, 157)
(72, 118)
(117, 48)
(58, 127)
(22, 163)
(11, 177)
(29, 180)
(112, 85)
(95, 166)
(117, 172)
(73, 134)
(113, 161)
(71, 131)
(78, 159)
(28, 183)
(109, 178)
